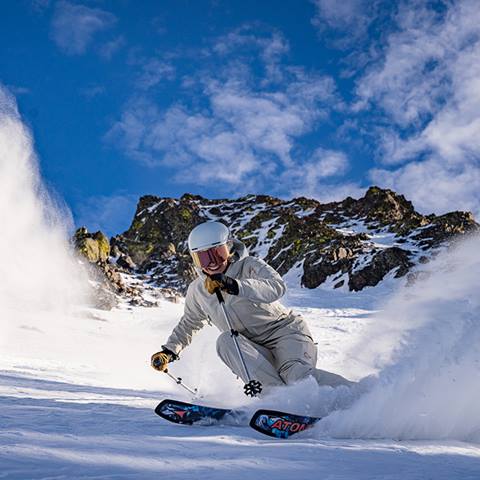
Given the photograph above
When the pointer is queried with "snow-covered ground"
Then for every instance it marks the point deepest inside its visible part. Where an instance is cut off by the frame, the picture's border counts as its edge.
(77, 392)
(77, 402)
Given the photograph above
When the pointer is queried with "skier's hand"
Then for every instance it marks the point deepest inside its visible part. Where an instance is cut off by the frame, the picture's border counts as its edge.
(160, 360)
(223, 282)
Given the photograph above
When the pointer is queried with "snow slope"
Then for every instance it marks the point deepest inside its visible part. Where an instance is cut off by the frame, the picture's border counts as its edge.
(77, 392)
(90, 414)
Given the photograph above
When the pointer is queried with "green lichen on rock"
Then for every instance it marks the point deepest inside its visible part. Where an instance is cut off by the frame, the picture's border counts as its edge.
(103, 245)
(186, 214)
(271, 233)
(317, 237)
(95, 247)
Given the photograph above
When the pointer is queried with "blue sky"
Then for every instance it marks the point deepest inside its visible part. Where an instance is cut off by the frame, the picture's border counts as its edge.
(223, 98)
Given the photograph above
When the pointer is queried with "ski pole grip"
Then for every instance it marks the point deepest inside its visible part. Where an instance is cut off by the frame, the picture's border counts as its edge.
(219, 295)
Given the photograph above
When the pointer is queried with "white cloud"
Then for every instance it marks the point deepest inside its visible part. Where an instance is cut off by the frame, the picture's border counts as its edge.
(344, 22)
(265, 122)
(228, 144)
(427, 86)
(320, 177)
(329, 163)
(74, 26)
(244, 129)
(434, 186)
(153, 72)
(270, 48)
(340, 15)
(412, 78)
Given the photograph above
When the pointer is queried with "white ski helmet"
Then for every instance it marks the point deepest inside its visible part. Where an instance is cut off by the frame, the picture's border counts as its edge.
(209, 245)
(207, 235)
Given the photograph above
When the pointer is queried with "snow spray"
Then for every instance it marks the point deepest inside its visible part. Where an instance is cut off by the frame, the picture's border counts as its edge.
(426, 345)
(37, 270)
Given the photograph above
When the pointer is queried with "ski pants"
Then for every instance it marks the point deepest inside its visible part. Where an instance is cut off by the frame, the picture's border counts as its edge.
(284, 361)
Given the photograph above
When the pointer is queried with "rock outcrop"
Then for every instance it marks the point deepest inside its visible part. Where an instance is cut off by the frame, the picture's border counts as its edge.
(94, 253)
(95, 247)
(350, 244)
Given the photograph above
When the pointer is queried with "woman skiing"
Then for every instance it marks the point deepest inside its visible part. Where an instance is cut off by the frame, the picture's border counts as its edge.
(275, 343)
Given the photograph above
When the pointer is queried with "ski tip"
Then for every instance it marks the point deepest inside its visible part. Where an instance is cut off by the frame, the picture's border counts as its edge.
(188, 413)
(166, 410)
(281, 424)
(159, 408)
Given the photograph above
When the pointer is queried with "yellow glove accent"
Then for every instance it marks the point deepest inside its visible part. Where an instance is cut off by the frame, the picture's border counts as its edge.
(212, 285)
(160, 361)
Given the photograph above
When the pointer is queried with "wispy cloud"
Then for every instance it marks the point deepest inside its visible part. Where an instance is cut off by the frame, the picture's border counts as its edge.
(270, 49)
(321, 176)
(247, 124)
(92, 91)
(154, 71)
(74, 26)
(434, 184)
(108, 49)
(329, 163)
(351, 15)
(428, 87)
(345, 24)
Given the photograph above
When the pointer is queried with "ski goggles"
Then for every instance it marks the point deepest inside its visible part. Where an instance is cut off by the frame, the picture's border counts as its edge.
(212, 257)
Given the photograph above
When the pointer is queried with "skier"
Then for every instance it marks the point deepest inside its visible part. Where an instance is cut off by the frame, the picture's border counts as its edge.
(276, 344)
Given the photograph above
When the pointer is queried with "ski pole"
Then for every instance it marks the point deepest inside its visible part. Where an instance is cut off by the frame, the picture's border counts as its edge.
(177, 380)
(252, 387)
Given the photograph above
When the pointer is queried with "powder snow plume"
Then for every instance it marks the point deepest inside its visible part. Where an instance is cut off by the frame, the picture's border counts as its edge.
(37, 270)
(426, 345)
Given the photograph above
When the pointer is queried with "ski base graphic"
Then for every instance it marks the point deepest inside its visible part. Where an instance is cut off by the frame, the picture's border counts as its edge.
(192, 414)
(281, 424)
(269, 422)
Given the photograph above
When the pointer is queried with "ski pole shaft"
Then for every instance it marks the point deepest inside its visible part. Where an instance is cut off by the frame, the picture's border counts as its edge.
(234, 334)
(252, 387)
(178, 381)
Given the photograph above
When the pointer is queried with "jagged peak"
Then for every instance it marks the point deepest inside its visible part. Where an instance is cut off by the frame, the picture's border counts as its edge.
(342, 243)
(192, 197)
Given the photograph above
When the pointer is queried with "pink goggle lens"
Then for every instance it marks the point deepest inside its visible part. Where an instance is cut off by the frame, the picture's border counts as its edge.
(211, 257)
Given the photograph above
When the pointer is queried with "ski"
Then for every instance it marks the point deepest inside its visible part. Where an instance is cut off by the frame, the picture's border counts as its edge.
(192, 414)
(281, 424)
(269, 422)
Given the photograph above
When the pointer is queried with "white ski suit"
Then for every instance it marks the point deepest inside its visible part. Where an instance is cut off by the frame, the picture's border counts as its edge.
(276, 343)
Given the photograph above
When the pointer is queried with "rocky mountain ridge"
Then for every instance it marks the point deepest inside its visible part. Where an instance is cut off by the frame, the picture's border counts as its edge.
(352, 244)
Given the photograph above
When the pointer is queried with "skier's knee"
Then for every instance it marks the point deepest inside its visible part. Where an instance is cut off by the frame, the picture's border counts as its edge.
(294, 371)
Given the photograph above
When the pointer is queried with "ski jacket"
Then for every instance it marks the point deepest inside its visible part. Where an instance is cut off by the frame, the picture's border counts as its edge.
(255, 312)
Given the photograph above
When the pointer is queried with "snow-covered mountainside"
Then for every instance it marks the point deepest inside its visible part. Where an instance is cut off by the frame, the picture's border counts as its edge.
(348, 245)
(77, 398)
(77, 391)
